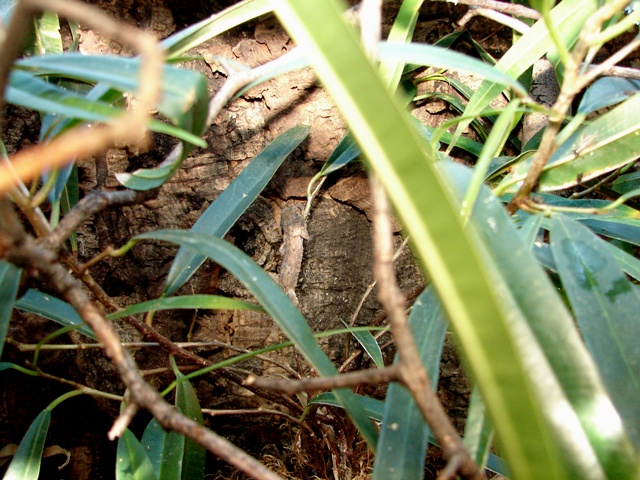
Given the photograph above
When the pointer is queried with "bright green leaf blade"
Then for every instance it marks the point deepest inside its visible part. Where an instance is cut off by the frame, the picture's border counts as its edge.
(402, 447)
(54, 309)
(227, 208)
(207, 302)
(193, 464)
(218, 23)
(568, 17)
(607, 143)
(276, 303)
(606, 307)
(401, 32)
(47, 31)
(132, 462)
(164, 450)
(26, 462)
(9, 283)
(404, 163)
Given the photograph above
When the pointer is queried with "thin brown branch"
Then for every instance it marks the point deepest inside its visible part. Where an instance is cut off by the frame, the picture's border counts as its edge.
(504, 7)
(412, 373)
(346, 380)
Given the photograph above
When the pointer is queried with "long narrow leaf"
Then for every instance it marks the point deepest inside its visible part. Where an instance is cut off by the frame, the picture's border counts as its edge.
(405, 164)
(276, 303)
(132, 462)
(606, 306)
(26, 462)
(164, 450)
(194, 456)
(227, 208)
(9, 283)
(402, 447)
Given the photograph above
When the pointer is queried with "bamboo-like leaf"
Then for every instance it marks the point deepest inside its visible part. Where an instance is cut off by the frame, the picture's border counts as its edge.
(164, 450)
(54, 309)
(605, 92)
(231, 17)
(368, 342)
(568, 17)
(606, 306)
(607, 143)
(26, 461)
(132, 462)
(478, 431)
(479, 313)
(276, 303)
(626, 183)
(9, 283)
(227, 208)
(193, 464)
(206, 302)
(32, 92)
(402, 447)
(47, 30)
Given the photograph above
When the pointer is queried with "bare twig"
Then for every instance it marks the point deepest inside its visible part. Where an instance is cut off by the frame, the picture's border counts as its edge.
(513, 23)
(351, 379)
(504, 7)
(412, 373)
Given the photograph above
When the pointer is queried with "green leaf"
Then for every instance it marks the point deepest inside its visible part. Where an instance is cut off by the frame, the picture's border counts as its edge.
(564, 369)
(607, 143)
(54, 309)
(132, 462)
(606, 306)
(368, 342)
(605, 92)
(207, 302)
(26, 462)
(37, 94)
(47, 30)
(568, 17)
(9, 283)
(193, 464)
(626, 183)
(478, 431)
(227, 208)
(402, 447)
(231, 17)
(276, 303)
(164, 450)
(476, 306)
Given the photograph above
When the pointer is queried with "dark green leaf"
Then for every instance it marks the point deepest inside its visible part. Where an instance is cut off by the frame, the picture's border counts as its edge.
(227, 208)
(606, 306)
(9, 283)
(164, 450)
(54, 309)
(193, 464)
(404, 436)
(605, 92)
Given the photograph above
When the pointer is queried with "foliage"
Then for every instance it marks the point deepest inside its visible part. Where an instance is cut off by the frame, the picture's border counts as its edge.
(542, 296)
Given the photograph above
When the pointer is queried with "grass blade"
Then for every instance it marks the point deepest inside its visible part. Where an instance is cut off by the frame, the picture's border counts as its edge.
(9, 283)
(194, 456)
(164, 450)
